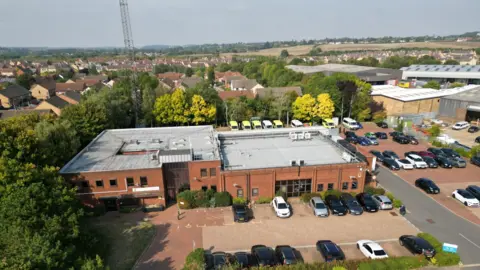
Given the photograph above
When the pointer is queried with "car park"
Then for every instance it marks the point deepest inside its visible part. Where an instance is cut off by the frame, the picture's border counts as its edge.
(401, 139)
(351, 203)
(240, 213)
(244, 259)
(221, 259)
(264, 255)
(371, 249)
(330, 251)
(383, 202)
(473, 129)
(366, 200)
(350, 123)
(460, 125)
(363, 141)
(391, 164)
(390, 154)
(417, 245)
(381, 135)
(450, 152)
(474, 190)
(431, 162)
(412, 139)
(425, 154)
(352, 140)
(427, 185)
(286, 255)
(335, 205)
(475, 160)
(395, 133)
(281, 207)
(465, 197)
(382, 125)
(318, 206)
(443, 162)
(373, 141)
(458, 162)
(378, 154)
(404, 164)
(350, 134)
(417, 161)
(435, 151)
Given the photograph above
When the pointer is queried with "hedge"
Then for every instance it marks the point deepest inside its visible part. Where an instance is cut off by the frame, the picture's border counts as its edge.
(239, 201)
(263, 200)
(195, 260)
(394, 263)
(189, 199)
(374, 191)
(306, 197)
(396, 202)
(441, 258)
(223, 199)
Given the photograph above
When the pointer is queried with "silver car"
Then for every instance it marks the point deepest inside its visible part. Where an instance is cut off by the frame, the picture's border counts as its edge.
(319, 207)
(383, 202)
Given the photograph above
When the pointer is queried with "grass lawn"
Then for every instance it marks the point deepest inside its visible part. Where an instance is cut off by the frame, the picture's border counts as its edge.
(127, 235)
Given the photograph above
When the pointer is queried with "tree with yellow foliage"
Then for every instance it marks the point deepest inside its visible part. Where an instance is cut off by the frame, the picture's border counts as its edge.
(325, 107)
(304, 108)
(201, 112)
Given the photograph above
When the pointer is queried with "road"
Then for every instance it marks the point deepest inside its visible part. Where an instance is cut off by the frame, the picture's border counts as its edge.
(431, 217)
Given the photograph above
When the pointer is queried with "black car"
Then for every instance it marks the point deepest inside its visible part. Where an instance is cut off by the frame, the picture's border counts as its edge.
(244, 259)
(286, 255)
(450, 152)
(378, 154)
(221, 259)
(209, 261)
(264, 255)
(381, 135)
(367, 202)
(401, 139)
(475, 160)
(240, 213)
(473, 129)
(477, 139)
(431, 162)
(417, 245)
(351, 203)
(390, 154)
(395, 133)
(427, 185)
(391, 164)
(382, 124)
(335, 205)
(350, 134)
(474, 190)
(330, 251)
(352, 140)
(444, 162)
(412, 139)
(435, 151)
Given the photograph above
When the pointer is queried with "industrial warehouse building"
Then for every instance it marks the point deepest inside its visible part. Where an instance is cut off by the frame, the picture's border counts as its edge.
(461, 106)
(150, 165)
(372, 75)
(443, 73)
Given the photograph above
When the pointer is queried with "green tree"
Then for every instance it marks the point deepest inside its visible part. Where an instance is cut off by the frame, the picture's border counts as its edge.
(92, 70)
(189, 72)
(434, 131)
(224, 67)
(456, 84)
(148, 105)
(284, 54)
(238, 109)
(179, 106)
(325, 107)
(451, 62)
(25, 80)
(211, 76)
(428, 60)
(477, 51)
(163, 110)
(200, 111)
(360, 101)
(296, 61)
(432, 84)
(304, 108)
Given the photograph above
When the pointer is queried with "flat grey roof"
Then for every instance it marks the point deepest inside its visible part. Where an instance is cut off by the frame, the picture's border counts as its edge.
(258, 149)
(472, 95)
(412, 94)
(144, 148)
(441, 71)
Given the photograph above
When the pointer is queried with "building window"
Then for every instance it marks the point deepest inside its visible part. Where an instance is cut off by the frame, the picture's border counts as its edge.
(113, 182)
(344, 185)
(254, 191)
(213, 187)
(130, 182)
(143, 181)
(330, 186)
(319, 187)
(85, 184)
(354, 185)
(203, 172)
(99, 183)
(213, 171)
(239, 193)
(204, 188)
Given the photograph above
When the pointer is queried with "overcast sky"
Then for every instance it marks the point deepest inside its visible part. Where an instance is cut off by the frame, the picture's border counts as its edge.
(90, 23)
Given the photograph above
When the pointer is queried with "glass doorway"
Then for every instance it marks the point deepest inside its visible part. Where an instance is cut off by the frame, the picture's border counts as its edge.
(294, 188)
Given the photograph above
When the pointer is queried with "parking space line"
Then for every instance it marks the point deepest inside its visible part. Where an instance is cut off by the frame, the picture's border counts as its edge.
(228, 224)
(204, 225)
(473, 243)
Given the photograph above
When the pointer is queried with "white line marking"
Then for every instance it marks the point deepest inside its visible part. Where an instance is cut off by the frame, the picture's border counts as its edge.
(473, 243)
(470, 265)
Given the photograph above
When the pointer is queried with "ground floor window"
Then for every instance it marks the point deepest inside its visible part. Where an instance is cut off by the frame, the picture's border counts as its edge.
(213, 187)
(239, 193)
(330, 186)
(204, 188)
(344, 185)
(354, 185)
(294, 188)
(254, 191)
(319, 187)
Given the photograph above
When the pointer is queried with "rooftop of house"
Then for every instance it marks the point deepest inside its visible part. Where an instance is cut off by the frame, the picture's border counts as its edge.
(224, 95)
(74, 95)
(191, 82)
(14, 90)
(248, 84)
(272, 148)
(13, 113)
(411, 94)
(46, 82)
(144, 148)
(57, 102)
(64, 87)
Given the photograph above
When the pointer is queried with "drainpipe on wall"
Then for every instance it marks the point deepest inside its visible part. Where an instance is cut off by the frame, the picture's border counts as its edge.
(340, 172)
(248, 187)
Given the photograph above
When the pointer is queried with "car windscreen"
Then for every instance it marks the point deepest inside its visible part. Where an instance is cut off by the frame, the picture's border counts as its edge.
(335, 203)
(241, 210)
(368, 199)
(467, 195)
(379, 252)
(353, 203)
(288, 254)
(219, 259)
(417, 159)
(404, 161)
(282, 206)
(320, 206)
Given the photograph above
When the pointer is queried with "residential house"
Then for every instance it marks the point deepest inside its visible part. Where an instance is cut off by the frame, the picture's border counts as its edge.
(220, 76)
(7, 72)
(249, 84)
(276, 92)
(48, 69)
(44, 88)
(225, 95)
(56, 104)
(189, 82)
(167, 83)
(13, 113)
(227, 80)
(13, 96)
(62, 88)
(174, 76)
(71, 97)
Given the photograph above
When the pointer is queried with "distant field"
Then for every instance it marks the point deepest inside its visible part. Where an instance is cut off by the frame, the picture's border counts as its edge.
(304, 49)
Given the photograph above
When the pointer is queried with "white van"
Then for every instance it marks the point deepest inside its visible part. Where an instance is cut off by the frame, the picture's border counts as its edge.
(267, 124)
(350, 123)
(295, 123)
(461, 125)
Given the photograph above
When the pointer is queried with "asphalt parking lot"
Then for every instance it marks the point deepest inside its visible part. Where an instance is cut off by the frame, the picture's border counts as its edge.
(462, 136)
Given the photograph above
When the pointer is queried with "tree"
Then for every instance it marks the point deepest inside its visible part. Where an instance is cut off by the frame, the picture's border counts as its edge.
(325, 107)
(451, 62)
(360, 101)
(477, 51)
(179, 107)
(92, 70)
(432, 84)
(304, 108)
(284, 54)
(434, 131)
(201, 112)
(296, 61)
(456, 84)
(211, 76)
(189, 72)
(163, 110)
(25, 80)
(148, 105)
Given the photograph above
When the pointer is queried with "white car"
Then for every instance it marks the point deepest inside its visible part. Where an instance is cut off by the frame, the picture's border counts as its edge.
(437, 121)
(465, 197)
(461, 125)
(281, 207)
(417, 161)
(404, 164)
(371, 249)
(444, 138)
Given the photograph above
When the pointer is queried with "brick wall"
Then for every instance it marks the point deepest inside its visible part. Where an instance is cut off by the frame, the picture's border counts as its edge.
(196, 178)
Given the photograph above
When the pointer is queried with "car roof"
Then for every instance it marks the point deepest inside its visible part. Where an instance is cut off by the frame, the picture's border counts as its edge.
(374, 246)
(280, 199)
(317, 199)
(383, 198)
(474, 187)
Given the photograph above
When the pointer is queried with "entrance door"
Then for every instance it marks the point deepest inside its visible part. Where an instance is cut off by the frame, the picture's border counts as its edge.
(110, 204)
(175, 175)
(294, 188)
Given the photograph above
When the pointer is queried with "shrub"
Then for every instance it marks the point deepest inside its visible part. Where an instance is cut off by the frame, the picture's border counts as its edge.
(441, 258)
(439, 144)
(239, 201)
(263, 200)
(397, 203)
(223, 199)
(434, 131)
(394, 263)
(306, 197)
(281, 194)
(128, 209)
(374, 191)
(210, 194)
(201, 198)
(97, 210)
(463, 152)
(335, 192)
(195, 260)
(186, 199)
(432, 240)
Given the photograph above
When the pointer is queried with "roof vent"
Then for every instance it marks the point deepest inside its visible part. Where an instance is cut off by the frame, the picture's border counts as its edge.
(301, 162)
(153, 157)
(308, 136)
(293, 163)
(301, 136)
(293, 136)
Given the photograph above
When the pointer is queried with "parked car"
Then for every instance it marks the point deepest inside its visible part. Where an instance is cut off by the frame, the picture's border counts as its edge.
(458, 162)
(360, 126)
(351, 203)
(404, 164)
(335, 205)
(286, 255)
(381, 135)
(383, 202)
(417, 245)
(412, 139)
(330, 251)
(369, 134)
(363, 141)
(382, 124)
(417, 161)
(450, 152)
(378, 154)
(460, 125)
(390, 154)
(401, 139)
(209, 265)
(425, 154)
(474, 190)
(444, 162)
(318, 206)
(367, 202)
(395, 133)
(431, 162)
(445, 139)
(245, 259)
(473, 129)
(477, 139)
(373, 141)
(391, 164)
(435, 151)
(264, 255)
(350, 134)
(352, 140)
(427, 185)
(475, 160)
(281, 207)
(465, 197)
(240, 213)
(221, 259)
(371, 249)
